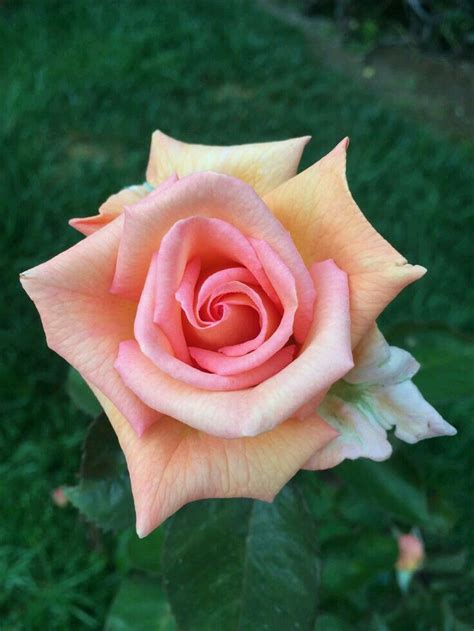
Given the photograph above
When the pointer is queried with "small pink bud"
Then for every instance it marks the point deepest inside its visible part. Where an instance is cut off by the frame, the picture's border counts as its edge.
(59, 498)
(411, 553)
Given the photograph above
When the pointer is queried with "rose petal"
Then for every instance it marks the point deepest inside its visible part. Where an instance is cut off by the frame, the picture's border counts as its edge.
(83, 322)
(110, 209)
(132, 363)
(172, 464)
(189, 239)
(404, 407)
(262, 165)
(359, 436)
(243, 322)
(284, 284)
(375, 396)
(89, 225)
(201, 332)
(216, 197)
(115, 205)
(325, 358)
(316, 207)
(378, 363)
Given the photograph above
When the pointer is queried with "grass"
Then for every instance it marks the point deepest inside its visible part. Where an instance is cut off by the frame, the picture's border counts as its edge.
(83, 85)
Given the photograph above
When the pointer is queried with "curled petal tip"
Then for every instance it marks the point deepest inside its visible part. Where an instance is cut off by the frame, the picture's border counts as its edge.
(26, 275)
(332, 433)
(449, 430)
(141, 532)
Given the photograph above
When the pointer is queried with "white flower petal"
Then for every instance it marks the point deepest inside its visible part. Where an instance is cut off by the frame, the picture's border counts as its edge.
(377, 395)
(378, 363)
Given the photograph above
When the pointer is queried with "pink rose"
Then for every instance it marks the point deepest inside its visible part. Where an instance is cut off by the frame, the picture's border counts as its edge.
(211, 309)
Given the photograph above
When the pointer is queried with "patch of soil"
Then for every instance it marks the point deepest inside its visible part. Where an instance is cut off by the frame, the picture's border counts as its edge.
(433, 88)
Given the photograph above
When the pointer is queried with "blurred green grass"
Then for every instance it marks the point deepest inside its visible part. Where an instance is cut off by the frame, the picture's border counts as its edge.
(83, 85)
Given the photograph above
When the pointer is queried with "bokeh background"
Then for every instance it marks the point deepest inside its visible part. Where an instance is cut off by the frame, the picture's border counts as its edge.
(83, 84)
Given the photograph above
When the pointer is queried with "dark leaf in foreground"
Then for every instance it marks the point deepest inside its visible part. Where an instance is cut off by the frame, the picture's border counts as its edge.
(243, 564)
(103, 494)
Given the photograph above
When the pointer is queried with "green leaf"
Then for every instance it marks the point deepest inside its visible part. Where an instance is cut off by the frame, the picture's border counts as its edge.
(328, 622)
(446, 564)
(243, 564)
(450, 622)
(81, 395)
(140, 605)
(145, 554)
(446, 358)
(344, 572)
(382, 485)
(103, 494)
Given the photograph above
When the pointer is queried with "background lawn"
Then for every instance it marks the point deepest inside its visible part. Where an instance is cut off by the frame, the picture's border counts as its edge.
(83, 84)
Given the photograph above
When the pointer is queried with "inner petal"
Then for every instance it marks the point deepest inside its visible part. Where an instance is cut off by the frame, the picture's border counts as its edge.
(239, 323)
(283, 281)
(269, 319)
(214, 320)
(154, 344)
(189, 239)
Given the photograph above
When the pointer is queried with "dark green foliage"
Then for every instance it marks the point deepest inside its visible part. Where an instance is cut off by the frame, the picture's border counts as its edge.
(103, 494)
(140, 605)
(243, 564)
(83, 85)
(446, 358)
(446, 25)
(81, 395)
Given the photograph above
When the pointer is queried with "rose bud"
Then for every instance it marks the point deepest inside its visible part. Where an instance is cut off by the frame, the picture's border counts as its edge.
(411, 553)
(59, 498)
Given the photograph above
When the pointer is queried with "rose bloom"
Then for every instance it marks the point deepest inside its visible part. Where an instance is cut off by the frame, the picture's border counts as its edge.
(213, 307)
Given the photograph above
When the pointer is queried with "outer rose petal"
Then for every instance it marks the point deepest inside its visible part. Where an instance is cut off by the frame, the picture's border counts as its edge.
(83, 322)
(262, 165)
(375, 396)
(110, 209)
(324, 221)
(378, 363)
(173, 464)
(115, 204)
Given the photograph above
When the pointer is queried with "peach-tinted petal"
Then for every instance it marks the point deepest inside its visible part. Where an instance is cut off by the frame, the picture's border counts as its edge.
(374, 397)
(155, 345)
(210, 329)
(110, 209)
(262, 165)
(324, 359)
(172, 464)
(129, 195)
(83, 322)
(212, 241)
(284, 284)
(134, 364)
(115, 204)
(214, 196)
(324, 221)
(242, 323)
(89, 225)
